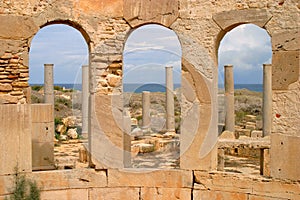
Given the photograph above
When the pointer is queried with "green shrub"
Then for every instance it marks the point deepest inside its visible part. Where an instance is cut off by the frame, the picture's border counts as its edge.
(24, 189)
(63, 101)
(36, 87)
(57, 120)
(35, 99)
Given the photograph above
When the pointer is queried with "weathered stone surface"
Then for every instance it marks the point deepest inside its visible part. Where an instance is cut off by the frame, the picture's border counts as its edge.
(256, 133)
(69, 121)
(146, 11)
(24, 27)
(229, 19)
(20, 84)
(287, 149)
(227, 135)
(69, 194)
(238, 183)
(105, 7)
(70, 179)
(289, 40)
(165, 193)
(286, 105)
(8, 99)
(125, 193)
(72, 133)
(216, 195)
(150, 178)
(5, 87)
(15, 147)
(285, 69)
(42, 113)
(113, 80)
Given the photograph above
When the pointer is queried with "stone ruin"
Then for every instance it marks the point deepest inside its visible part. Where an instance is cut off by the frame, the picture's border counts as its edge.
(27, 129)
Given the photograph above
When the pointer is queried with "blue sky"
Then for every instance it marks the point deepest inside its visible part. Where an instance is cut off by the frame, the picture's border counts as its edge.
(147, 51)
(62, 46)
(247, 48)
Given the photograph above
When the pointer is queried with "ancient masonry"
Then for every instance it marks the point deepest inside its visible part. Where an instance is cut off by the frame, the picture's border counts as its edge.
(14, 76)
(26, 130)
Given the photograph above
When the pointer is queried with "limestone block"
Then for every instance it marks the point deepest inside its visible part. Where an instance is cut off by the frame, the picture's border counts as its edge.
(81, 194)
(165, 193)
(8, 99)
(15, 145)
(83, 154)
(258, 197)
(265, 162)
(145, 148)
(250, 118)
(5, 87)
(150, 178)
(287, 149)
(289, 40)
(72, 133)
(17, 27)
(256, 134)
(138, 12)
(60, 128)
(285, 69)
(216, 195)
(20, 84)
(113, 80)
(124, 193)
(42, 155)
(104, 8)
(244, 132)
(69, 121)
(6, 183)
(42, 132)
(227, 135)
(69, 179)
(227, 19)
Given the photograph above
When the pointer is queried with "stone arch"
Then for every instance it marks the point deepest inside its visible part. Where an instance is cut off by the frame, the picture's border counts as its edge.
(73, 24)
(228, 20)
(44, 149)
(167, 50)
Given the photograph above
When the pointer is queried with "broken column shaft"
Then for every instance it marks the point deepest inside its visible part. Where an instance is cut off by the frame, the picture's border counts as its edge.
(170, 120)
(267, 99)
(146, 110)
(229, 98)
(85, 99)
(48, 84)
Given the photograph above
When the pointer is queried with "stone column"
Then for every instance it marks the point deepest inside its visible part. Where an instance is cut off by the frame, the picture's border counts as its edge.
(170, 120)
(267, 99)
(48, 84)
(85, 100)
(146, 110)
(229, 98)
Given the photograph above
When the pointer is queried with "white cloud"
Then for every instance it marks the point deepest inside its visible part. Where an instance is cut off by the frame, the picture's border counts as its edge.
(247, 48)
(62, 46)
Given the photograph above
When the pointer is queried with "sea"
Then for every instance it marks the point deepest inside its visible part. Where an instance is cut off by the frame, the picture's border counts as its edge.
(153, 87)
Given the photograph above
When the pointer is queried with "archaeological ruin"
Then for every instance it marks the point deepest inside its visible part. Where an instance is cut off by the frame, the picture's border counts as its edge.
(27, 129)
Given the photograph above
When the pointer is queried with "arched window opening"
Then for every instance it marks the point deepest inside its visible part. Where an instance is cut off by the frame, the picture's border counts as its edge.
(62, 51)
(242, 54)
(151, 85)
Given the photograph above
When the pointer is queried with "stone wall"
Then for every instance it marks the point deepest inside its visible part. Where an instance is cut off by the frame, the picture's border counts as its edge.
(14, 76)
(200, 26)
(88, 184)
